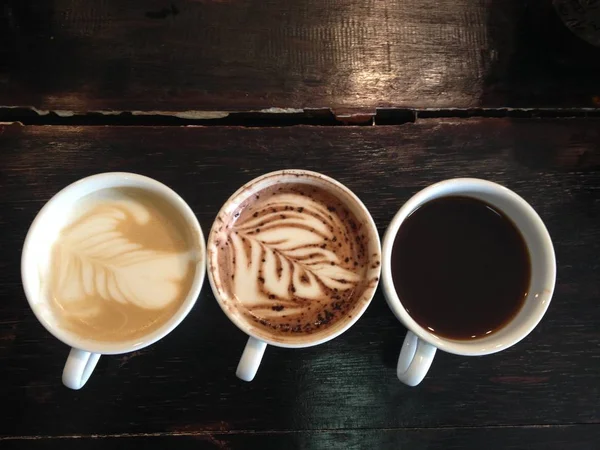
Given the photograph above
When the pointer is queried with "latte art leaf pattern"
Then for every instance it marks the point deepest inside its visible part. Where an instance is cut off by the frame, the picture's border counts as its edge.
(99, 257)
(293, 259)
(284, 251)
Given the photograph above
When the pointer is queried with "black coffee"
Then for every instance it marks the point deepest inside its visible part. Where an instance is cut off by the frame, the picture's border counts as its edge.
(460, 267)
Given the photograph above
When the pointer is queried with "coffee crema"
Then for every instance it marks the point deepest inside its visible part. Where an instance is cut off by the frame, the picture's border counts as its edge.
(293, 257)
(121, 267)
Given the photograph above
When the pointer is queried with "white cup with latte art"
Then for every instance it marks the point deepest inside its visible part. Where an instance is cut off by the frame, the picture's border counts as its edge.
(293, 260)
(110, 265)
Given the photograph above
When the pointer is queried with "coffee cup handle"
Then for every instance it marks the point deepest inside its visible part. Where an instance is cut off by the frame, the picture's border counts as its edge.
(78, 368)
(251, 358)
(415, 359)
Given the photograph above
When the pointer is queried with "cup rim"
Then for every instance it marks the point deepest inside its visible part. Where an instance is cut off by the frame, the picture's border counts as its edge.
(464, 348)
(357, 314)
(114, 180)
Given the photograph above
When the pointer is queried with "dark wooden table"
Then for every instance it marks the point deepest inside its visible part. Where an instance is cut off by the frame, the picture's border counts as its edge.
(205, 95)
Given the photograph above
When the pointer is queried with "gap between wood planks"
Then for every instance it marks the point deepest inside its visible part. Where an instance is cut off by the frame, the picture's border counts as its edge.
(275, 117)
(281, 432)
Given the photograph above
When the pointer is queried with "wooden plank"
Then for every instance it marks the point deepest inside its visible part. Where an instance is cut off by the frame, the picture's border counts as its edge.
(219, 56)
(573, 437)
(186, 382)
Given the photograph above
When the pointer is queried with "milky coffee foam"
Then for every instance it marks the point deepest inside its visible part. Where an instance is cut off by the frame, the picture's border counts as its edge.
(121, 267)
(293, 257)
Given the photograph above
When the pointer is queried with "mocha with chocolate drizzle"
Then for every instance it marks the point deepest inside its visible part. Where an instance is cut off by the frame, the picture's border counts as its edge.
(294, 257)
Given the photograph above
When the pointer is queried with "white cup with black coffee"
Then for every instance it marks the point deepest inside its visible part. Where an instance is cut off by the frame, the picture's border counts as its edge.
(294, 260)
(110, 265)
(468, 268)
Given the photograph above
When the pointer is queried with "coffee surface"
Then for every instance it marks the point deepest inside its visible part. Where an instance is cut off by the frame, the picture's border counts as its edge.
(121, 267)
(293, 257)
(460, 267)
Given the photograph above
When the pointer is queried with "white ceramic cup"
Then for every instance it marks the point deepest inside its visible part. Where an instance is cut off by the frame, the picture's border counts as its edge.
(35, 261)
(259, 337)
(420, 344)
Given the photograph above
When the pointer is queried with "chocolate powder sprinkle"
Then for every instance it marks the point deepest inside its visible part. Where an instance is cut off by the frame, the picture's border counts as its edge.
(321, 312)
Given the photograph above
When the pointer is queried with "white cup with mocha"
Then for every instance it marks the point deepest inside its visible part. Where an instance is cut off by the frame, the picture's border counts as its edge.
(110, 265)
(293, 260)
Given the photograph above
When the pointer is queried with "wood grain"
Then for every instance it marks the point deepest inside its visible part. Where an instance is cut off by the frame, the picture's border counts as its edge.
(186, 382)
(191, 57)
(573, 437)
